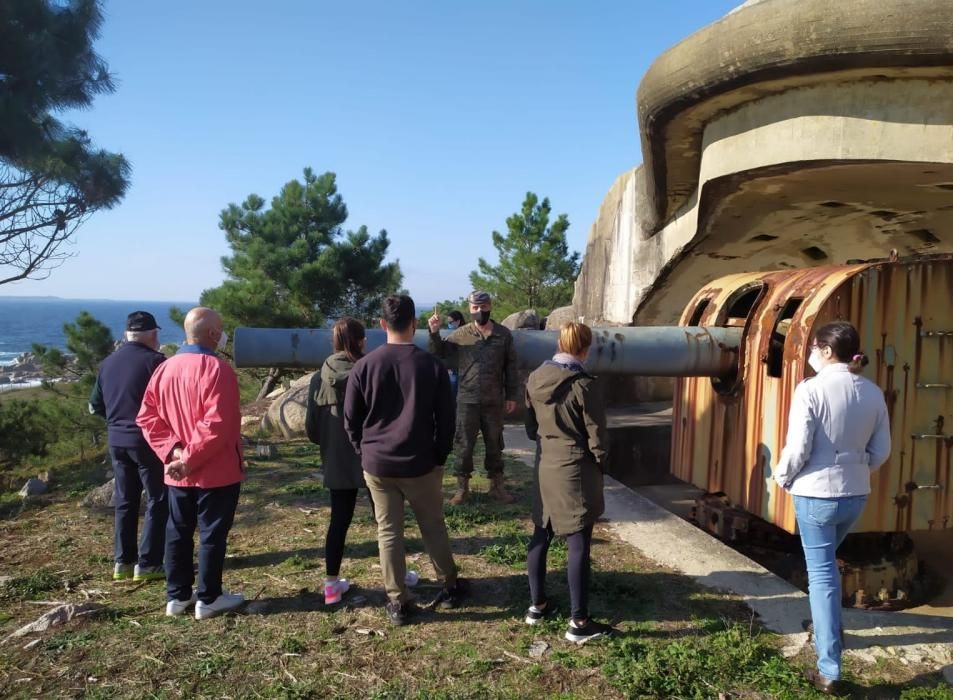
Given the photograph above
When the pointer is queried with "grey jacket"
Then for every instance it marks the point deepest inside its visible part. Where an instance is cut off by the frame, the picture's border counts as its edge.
(325, 424)
(567, 418)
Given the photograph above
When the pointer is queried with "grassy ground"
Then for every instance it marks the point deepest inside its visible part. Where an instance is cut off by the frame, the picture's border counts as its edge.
(677, 641)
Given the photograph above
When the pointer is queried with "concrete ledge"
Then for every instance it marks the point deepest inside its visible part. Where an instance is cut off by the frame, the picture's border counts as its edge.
(675, 543)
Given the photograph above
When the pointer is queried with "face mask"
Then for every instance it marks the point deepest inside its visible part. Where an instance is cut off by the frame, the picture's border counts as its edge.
(222, 341)
(815, 360)
(481, 317)
(452, 326)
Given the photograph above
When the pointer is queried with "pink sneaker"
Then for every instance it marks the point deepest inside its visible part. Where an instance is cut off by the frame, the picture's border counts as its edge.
(333, 590)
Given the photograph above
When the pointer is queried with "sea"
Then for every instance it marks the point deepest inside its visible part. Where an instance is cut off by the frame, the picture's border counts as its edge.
(28, 320)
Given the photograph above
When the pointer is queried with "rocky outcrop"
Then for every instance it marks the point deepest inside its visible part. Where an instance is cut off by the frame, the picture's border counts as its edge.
(287, 413)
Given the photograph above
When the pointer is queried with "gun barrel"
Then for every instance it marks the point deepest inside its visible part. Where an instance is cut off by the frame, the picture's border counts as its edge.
(659, 351)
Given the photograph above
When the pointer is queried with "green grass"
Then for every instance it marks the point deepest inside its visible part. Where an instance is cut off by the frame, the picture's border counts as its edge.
(31, 586)
(678, 640)
(701, 666)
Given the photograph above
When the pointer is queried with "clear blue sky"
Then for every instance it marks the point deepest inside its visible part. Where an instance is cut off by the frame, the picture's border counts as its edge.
(436, 116)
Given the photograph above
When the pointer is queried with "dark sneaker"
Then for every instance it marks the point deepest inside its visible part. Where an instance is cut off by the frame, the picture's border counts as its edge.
(399, 613)
(535, 615)
(590, 630)
(450, 598)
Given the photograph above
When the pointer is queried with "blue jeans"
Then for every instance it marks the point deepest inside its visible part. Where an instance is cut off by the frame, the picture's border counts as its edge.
(135, 469)
(213, 512)
(823, 524)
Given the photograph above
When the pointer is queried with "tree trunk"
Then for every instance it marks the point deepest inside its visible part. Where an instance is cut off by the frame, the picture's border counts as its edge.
(274, 376)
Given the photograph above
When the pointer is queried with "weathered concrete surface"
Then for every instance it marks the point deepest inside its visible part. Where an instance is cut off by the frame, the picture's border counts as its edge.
(782, 608)
(790, 133)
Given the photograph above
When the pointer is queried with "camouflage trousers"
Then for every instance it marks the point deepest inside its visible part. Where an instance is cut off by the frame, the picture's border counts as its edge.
(473, 419)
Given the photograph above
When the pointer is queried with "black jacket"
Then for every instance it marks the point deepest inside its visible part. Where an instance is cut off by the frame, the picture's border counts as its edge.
(120, 386)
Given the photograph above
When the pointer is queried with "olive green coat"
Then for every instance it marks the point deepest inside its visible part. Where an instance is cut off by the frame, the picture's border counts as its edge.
(325, 424)
(567, 418)
(486, 366)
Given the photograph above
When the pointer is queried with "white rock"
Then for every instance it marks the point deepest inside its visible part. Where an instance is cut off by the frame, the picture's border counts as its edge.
(287, 413)
(538, 648)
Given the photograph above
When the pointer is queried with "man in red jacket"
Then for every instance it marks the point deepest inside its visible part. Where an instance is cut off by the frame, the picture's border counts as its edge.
(191, 418)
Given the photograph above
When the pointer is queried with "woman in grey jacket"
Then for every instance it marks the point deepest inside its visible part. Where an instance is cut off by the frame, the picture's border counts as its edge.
(343, 475)
(838, 433)
(567, 418)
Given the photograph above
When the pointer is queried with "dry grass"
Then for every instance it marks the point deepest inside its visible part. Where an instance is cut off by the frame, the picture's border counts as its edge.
(287, 644)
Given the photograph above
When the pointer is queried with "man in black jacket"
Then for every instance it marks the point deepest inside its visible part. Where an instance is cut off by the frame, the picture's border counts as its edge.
(399, 415)
(116, 396)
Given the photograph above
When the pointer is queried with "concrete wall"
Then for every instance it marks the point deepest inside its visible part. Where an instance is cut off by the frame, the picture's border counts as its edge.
(845, 169)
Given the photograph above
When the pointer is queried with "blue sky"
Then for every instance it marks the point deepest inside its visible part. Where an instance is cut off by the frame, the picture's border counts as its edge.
(436, 116)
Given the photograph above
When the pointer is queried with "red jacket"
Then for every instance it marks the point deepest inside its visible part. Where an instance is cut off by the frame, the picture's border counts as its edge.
(192, 402)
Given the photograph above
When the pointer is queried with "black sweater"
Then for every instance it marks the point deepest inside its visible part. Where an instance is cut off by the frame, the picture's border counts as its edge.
(399, 412)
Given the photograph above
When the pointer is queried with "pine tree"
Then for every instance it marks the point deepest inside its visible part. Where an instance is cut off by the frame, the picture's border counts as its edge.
(51, 176)
(294, 266)
(535, 269)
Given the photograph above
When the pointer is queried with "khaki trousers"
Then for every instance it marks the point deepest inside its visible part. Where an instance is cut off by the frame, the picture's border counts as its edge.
(425, 496)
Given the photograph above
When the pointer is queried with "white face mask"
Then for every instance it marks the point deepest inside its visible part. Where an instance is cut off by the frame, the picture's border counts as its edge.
(816, 361)
(222, 341)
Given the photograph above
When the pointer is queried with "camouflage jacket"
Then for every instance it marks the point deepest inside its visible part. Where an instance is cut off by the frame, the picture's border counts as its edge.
(486, 367)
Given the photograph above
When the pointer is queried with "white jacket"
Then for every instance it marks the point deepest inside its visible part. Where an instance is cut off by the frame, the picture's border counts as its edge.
(838, 432)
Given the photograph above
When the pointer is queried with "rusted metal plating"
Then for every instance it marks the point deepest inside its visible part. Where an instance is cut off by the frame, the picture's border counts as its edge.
(728, 433)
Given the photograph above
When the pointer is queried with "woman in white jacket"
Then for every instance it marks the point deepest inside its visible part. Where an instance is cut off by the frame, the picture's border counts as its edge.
(838, 433)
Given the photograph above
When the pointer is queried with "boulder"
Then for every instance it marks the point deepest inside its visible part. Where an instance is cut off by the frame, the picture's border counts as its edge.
(33, 487)
(304, 380)
(522, 319)
(100, 497)
(557, 317)
(250, 422)
(287, 413)
(275, 393)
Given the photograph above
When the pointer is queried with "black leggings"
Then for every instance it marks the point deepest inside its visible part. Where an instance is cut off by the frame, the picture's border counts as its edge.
(342, 512)
(580, 546)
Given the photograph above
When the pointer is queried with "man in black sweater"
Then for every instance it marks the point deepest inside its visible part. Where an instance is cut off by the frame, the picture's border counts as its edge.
(399, 415)
(116, 396)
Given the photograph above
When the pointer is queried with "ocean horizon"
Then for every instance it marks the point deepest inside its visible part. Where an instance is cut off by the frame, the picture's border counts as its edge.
(25, 320)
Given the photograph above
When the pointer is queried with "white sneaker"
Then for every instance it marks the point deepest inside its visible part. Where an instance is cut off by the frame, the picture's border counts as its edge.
(223, 604)
(411, 578)
(178, 607)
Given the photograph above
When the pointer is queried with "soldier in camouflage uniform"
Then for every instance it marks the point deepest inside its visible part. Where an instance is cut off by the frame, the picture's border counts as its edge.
(482, 353)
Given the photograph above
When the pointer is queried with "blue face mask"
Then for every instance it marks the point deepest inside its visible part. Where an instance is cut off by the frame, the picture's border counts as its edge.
(452, 326)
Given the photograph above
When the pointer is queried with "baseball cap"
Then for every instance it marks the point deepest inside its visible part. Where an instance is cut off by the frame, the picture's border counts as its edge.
(141, 321)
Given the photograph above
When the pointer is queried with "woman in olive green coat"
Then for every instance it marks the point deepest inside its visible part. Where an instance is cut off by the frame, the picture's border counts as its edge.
(567, 419)
(324, 422)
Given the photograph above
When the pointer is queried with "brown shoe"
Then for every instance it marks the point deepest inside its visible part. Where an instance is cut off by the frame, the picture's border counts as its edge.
(498, 490)
(824, 684)
(463, 488)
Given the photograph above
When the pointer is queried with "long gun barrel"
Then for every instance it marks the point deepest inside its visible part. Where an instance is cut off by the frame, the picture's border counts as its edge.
(659, 351)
